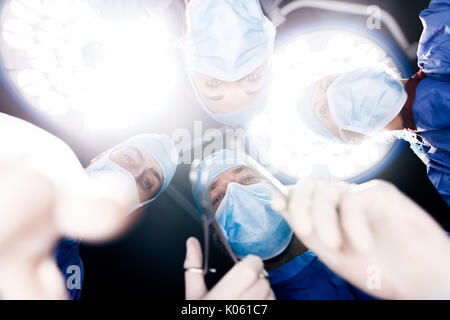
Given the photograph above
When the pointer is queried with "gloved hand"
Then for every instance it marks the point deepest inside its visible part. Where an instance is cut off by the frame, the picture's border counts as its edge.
(372, 235)
(242, 282)
(45, 195)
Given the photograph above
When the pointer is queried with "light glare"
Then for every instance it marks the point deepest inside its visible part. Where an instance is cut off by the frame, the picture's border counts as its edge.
(289, 147)
(73, 60)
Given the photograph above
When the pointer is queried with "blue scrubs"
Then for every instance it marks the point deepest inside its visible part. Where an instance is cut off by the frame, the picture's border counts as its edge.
(67, 254)
(431, 107)
(306, 278)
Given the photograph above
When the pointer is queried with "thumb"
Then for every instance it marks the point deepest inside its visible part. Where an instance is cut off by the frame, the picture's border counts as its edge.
(194, 282)
(279, 203)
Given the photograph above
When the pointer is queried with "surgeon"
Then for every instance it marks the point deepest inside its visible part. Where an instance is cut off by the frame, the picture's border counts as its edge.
(240, 199)
(227, 50)
(362, 103)
(144, 165)
(60, 202)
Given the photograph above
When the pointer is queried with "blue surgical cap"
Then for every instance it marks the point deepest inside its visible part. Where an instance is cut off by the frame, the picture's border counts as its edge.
(227, 39)
(215, 164)
(161, 148)
(307, 116)
(366, 99)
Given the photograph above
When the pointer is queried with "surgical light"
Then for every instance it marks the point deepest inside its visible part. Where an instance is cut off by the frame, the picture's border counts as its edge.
(63, 58)
(290, 149)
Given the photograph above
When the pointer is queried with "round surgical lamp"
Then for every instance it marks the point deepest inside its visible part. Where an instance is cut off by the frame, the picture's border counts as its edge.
(278, 138)
(76, 63)
(127, 9)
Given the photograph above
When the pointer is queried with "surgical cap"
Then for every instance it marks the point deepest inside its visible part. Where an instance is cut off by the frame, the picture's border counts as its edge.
(214, 165)
(227, 39)
(307, 116)
(366, 100)
(161, 148)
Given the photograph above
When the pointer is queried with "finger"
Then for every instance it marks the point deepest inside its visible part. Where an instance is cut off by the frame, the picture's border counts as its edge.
(91, 210)
(325, 215)
(238, 280)
(17, 215)
(355, 221)
(259, 291)
(51, 280)
(30, 280)
(271, 295)
(194, 282)
(299, 213)
(279, 203)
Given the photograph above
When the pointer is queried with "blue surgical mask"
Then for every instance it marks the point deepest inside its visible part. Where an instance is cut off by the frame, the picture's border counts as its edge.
(105, 168)
(366, 100)
(227, 39)
(249, 224)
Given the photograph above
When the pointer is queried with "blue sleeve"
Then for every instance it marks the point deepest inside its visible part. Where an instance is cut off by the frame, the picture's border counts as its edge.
(71, 266)
(441, 181)
(431, 106)
(316, 282)
(434, 44)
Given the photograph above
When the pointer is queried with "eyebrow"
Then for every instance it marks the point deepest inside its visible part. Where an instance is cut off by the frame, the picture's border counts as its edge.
(138, 152)
(212, 186)
(236, 170)
(239, 169)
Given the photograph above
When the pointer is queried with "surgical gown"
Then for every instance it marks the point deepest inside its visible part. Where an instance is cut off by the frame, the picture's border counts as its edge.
(306, 278)
(431, 107)
(67, 255)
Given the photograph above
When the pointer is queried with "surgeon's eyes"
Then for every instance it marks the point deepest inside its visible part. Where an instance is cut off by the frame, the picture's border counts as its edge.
(147, 183)
(213, 83)
(253, 77)
(218, 199)
(248, 180)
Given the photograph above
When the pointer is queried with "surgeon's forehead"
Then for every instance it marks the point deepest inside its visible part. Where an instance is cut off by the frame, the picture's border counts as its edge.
(135, 150)
(143, 155)
(229, 174)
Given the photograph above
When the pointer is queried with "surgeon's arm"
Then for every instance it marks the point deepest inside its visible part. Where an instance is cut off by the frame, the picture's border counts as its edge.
(44, 196)
(373, 236)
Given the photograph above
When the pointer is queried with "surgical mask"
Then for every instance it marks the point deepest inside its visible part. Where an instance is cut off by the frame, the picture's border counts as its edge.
(249, 223)
(365, 100)
(227, 39)
(106, 169)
